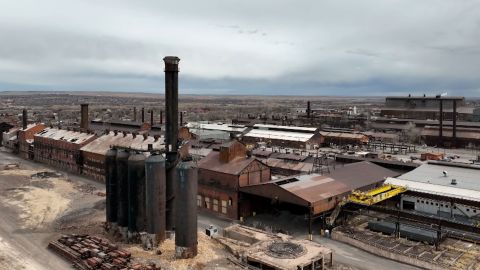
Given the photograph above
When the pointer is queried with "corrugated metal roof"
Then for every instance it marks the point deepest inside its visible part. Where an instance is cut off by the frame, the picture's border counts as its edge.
(467, 178)
(217, 126)
(212, 162)
(279, 135)
(315, 187)
(343, 135)
(450, 191)
(295, 166)
(65, 135)
(286, 128)
(102, 144)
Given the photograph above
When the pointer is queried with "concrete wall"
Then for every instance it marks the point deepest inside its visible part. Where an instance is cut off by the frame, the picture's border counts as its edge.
(384, 253)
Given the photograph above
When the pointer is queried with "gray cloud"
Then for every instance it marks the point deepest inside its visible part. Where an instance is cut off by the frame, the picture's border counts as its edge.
(310, 47)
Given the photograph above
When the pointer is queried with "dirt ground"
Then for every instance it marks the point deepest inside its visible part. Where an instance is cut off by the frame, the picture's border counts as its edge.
(39, 204)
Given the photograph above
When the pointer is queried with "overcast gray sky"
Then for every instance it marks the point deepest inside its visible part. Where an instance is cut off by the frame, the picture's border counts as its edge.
(272, 47)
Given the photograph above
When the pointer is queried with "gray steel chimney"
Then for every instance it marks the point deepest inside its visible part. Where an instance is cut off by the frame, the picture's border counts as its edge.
(171, 134)
(161, 117)
(143, 115)
(84, 117)
(134, 114)
(24, 119)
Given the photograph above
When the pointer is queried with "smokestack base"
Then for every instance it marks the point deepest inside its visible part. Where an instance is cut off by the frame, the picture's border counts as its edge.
(185, 252)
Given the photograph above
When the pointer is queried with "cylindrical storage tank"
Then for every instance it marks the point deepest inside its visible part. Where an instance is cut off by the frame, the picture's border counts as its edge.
(155, 196)
(136, 193)
(122, 188)
(186, 187)
(111, 185)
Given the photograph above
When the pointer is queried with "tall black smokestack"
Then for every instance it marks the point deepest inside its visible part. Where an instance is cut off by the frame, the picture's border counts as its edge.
(134, 114)
(171, 133)
(151, 118)
(440, 130)
(143, 115)
(454, 123)
(24, 119)
(161, 117)
(181, 118)
(308, 109)
(84, 117)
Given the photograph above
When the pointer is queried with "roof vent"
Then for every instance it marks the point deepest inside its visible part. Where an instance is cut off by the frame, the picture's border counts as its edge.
(445, 173)
(115, 132)
(454, 182)
(134, 134)
(156, 137)
(145, 136)
(124, 134)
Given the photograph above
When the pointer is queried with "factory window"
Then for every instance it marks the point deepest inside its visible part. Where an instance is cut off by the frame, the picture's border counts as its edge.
(224, 207)
(474, 210)
(215, 205)
(431, 203)
(207, 202)
(423, 201)
(441, 205)
(199, 200)
(418, 201)
(468, 210)
(454, 207)
(436, 204)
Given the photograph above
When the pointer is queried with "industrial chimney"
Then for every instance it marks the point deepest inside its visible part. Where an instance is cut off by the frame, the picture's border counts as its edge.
(161, 117)
(84, 117)
(143, 115)
(134, 114)
(151, 118)
(171, 134)
(24, 119)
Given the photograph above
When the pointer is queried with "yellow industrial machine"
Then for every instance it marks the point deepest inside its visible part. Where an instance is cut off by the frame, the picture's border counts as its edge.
(376, 195)
(368, 198)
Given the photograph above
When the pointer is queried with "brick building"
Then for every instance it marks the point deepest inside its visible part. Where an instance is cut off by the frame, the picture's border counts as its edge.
(93, 154)
(222, 173)
(61, 148)
(25, 139)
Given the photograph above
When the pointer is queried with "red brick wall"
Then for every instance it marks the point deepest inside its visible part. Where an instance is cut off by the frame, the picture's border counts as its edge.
(61, 154)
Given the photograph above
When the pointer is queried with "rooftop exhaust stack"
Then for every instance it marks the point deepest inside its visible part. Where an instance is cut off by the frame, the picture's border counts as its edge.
(171, 134)
(134, 114)
(24, 119)
(143, 115)
(84, 117)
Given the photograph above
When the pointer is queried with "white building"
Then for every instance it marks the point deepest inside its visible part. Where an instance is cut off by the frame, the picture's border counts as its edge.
(445, 189)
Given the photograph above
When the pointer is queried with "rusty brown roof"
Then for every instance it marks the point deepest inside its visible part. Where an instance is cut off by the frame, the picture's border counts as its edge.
(212, 163)
(312, 188)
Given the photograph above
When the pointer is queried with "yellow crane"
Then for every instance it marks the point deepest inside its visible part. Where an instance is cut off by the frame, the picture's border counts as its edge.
(370, 197)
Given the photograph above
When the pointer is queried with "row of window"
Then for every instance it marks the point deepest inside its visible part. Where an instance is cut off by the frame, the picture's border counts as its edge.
(213, 204)
(442, 205)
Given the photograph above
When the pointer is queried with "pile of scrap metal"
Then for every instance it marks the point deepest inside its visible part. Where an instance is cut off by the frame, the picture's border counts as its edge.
(91, 252)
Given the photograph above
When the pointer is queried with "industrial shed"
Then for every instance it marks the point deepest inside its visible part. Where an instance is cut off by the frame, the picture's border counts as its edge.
(93, 154)
(341, 138)
(465, 137)
(316, 193)
(286, 136)
(442, 188)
